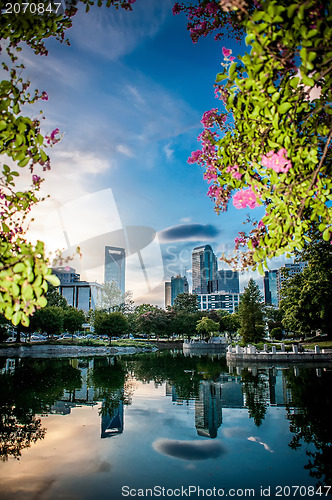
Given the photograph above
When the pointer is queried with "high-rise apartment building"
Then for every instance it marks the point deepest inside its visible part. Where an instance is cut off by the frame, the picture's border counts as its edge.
(204, 270)
(179, 284)
(115, 260)
(271, 288)
(228, 281)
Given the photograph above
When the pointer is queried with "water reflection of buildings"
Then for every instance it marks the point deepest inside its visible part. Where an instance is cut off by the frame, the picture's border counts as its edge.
(111, 422)
(230, 391)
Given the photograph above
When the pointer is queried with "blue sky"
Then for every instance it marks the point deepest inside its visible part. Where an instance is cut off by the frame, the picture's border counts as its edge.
(128, 96)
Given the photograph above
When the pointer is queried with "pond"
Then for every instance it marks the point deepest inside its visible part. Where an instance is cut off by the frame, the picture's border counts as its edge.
(163, 425)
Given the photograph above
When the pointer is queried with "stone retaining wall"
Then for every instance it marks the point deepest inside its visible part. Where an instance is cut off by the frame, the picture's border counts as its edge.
(251, 354)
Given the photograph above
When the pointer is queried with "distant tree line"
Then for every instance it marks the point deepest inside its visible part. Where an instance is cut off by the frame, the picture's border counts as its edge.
(305, 309)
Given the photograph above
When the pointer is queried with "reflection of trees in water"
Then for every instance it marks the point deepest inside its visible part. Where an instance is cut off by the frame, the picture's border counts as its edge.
(30, 388)
(310, 419)
(110, 380)
(17, 434)
(184, 373)
(255, 388)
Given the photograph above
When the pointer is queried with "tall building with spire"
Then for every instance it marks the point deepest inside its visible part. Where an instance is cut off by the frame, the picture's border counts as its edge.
(204, 270)
(115, 260)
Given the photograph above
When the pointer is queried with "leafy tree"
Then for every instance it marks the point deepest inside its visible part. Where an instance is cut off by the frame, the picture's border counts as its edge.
(73, 320)
(276, 333)
(49, 320)
(251, 313)
(185, 323)
(186, 302)
(112, 299)
(156, 321)
(143, 308)
(270, 145)
(206, 326)
(230, 323)
(54, 298)
(306, 297)
(24, 267)
(112, 324)
(273, 318)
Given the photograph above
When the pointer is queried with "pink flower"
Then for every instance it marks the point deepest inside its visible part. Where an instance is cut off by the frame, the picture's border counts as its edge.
(195, 156)
(52, 138)
(226, 52)
(234, 171)
(260, 225)
(277, 161)
(214, 191)
(209, 117)
(36, 179)
(232, 58)
(44, 96)
(176, 8)
(210, 174)
(245, 197)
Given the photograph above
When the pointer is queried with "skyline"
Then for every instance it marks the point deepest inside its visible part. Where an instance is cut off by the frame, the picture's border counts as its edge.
(128, 97)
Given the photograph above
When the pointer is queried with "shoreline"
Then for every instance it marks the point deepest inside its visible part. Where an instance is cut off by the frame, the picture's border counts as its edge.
(64, 351)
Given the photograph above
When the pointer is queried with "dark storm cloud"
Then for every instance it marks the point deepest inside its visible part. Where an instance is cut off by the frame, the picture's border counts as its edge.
(188, 232)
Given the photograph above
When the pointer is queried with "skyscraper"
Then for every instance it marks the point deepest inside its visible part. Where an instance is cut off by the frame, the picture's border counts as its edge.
(228, 281)
(115, 259)
(179, 284)
(270, 287)
(204, 270)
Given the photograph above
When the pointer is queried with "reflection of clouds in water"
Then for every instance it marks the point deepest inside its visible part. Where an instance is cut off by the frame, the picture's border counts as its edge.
(234, 432)
(190, 466)
(188, 450)
(103, 467)
(257, 440)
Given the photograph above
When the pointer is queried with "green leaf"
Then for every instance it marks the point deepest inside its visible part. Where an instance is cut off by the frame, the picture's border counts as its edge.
(16, 318)
(221, 76)
(24, 162)
(42, 301)
(284, 107)
(54, 280)
(326, 234)
(310, 82)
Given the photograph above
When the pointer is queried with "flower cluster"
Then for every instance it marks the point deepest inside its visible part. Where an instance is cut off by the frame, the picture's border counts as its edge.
(36, 180)
(245, 197)
(195, 157)
(211, 117)
(234, 171)
(54, 137)
(227, 54)
(207, 17)
(210, 174)
(221, 93)
(277, 161)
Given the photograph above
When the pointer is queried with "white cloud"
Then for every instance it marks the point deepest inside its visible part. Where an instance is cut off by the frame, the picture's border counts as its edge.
(125, 150)
(169, 151)
(112, 34)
